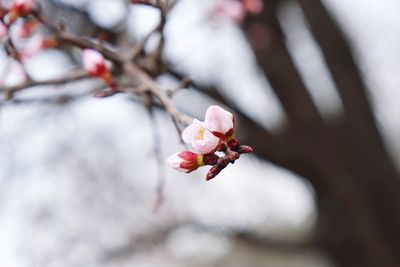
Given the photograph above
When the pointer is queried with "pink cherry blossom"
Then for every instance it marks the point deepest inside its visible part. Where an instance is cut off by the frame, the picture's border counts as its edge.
(202, 140)
(94, 63)
(216, 133)
(185, 161)
(231, 9)
(219, 121)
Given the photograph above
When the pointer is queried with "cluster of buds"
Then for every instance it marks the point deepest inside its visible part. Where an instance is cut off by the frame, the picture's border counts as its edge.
(237, 10)
(25, 29)
(95, 65)
(19, 8)
(215, 134)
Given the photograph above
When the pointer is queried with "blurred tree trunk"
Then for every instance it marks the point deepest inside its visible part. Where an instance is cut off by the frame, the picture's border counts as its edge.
(357, 186)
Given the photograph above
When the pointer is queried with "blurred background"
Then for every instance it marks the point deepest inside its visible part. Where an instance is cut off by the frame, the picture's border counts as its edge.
(79, 175)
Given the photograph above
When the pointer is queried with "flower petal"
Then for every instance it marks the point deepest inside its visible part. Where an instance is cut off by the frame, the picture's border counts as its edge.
(92, 60)
(190, 131)
(218, 120)
(175, 162)
(206, 145)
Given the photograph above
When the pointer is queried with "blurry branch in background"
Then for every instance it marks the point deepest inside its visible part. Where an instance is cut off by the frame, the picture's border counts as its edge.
(138, 68)
(159, 236)
(139, 78)
(345, 160)
(70, 77)
(157, 154)
(275, 61)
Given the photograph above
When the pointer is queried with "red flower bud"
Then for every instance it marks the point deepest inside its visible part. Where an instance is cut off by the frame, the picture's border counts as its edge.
(20, 8)
(245, 149)
(95, 65)
(210, 159)
(186, 161)
(233, 144)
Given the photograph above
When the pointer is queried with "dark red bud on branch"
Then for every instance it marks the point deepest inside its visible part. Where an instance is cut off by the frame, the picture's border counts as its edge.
(212, 173)
(232, 156)
(233, 144)
(245, 149)
(210, 159)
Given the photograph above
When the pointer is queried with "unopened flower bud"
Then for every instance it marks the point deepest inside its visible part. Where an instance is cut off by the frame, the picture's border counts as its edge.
(95, 65)
(245, 149)
(221, 163)
(220, 122)
(212, 172)
(186, 161)
(233, 144)
(232, 156)
(210, 159)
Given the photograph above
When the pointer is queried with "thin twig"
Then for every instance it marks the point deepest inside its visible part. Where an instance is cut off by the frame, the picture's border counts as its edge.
(68, 38)
(70, 77)
(158, 93)
(160, 161)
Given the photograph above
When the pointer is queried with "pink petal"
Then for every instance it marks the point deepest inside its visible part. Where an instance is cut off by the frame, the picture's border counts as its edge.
(218, 120)
(91, 60)
(206, 145)
(175, 162)
(190, 131)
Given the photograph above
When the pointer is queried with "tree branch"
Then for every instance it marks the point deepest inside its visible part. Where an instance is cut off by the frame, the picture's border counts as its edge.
(274, 59)
(70, 77)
